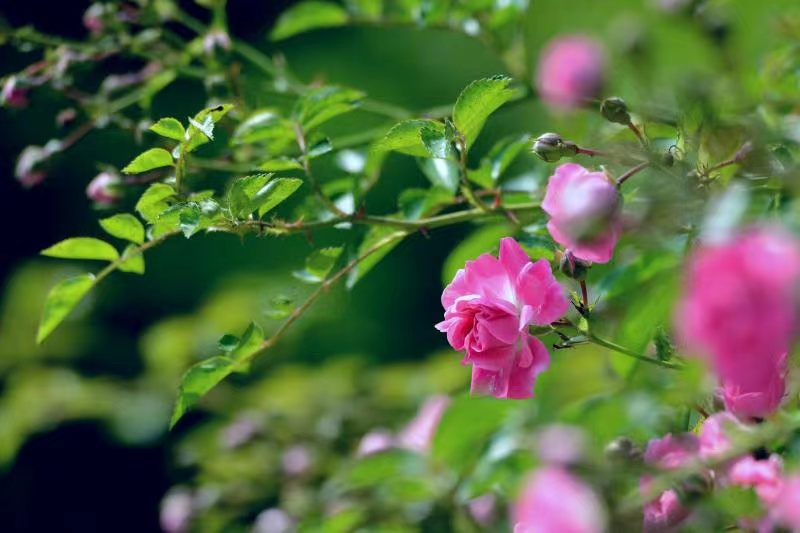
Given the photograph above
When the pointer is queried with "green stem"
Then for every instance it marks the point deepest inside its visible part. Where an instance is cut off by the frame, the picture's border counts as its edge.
(111, 267)
(630, 353)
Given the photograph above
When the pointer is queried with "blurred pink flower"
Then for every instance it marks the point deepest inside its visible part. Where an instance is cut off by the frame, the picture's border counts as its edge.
(419, 432)
(585, 212)
(375, 441)
(738, 310)
(177, 508)
(714, 441)
(570, 71)
(93, 18)
(488, 307)
(482, 508)
(12, 95)
(669, 452)
(296, 461)
(763, 475)
(103, 189)
(560, 443)
(274, 521)
(555, 501)
(216, 39)
(785, 508)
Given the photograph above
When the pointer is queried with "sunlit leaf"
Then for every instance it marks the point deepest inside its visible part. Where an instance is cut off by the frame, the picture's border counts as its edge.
(318, 264)
(170, 128)
(275, 192)
(60, 301)
(149, 160)
(306, 16)
(405, 137)
(82, 248)
(154, 201)
(124, 226)
(197, 381)
(201, 128)
(477, 101)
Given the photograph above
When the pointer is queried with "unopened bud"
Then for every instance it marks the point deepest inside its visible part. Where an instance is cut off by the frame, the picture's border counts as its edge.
(623, 449)
(572, 267)
(551, 147)
(668, 159)
(104, 189)
(615, 110)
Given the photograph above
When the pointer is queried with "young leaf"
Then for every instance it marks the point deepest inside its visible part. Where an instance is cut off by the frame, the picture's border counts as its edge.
(242, 191)
(201, 127)
(305, 16)
(436, 142)
(319, 264)
(275, 192)
(197, 381)
(170, 128)
(184, 217)
(124, 226)
(132, 260)
(405, 137)
(153, 201)
(60, 301)
(318, 106)
(228, 342)
(82, 248)
(477, 101)
(152, 158)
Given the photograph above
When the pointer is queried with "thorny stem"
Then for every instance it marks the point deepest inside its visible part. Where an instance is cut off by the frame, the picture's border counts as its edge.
(641, 166)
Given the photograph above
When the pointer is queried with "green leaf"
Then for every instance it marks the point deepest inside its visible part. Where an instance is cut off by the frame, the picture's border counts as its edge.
(280, 164)
(375, 235)
(170, 128)
(152, 158)
(275, 192)
(498, 160)
(416, 203)
(82, 248)
(184, 217)
(154, 201)
(405, 137)
(197, 381)
(124, 226)
(393, 475)
(305, 16)
(228, 342)
(436, 142)
(132, 260)
(319, 147)
(319, 264)
(465, 426)
(250, 343)
(442, 173)
(477, 101)
(242, 192)
(318, 106)
(189, 219)
(60, 301)
(266, 127)
(201, 127)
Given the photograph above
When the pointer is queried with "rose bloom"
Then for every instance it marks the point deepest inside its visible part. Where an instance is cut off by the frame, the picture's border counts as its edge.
(585, 212)
(738, 311)
(488, 307)
(570, 71)
(555, 501)
(669, 452)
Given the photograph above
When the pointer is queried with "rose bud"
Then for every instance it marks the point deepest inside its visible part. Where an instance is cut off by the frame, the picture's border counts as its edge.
(570, 71)
(615, 110)
(104, 189)
(551, 147)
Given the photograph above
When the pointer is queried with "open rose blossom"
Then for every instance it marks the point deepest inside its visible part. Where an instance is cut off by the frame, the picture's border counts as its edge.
(555, 501)
(488, 307)
(570, 71)
(739, 311)
(585, 212)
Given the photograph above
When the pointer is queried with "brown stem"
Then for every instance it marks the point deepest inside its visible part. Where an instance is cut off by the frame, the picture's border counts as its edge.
(636, 131)
(584, 295)
(641, 166)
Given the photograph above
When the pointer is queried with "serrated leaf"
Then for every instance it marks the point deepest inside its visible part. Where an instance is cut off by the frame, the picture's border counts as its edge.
(82, 248)
(318, 264)
(153, 201)
(124, 226)
(320, 105)
(149, 160)
(170, 128)
(477, 101)
(60, 301)
(275, 192)
(242, 192)
(132, 260)
(280, 164)
(436, 143)
(201, 126)
(306, 16)
(405, 137)
(197, 381)
(375, 235)
(184, 217)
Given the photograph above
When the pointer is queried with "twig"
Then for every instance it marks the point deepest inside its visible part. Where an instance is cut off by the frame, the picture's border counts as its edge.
(641, 166)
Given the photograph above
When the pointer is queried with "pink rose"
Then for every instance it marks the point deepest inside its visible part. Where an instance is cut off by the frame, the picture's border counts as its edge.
(785, 509)
(570, 71)
(670, 452)
(714, 441)
(488, 307)
(103, 189)
(738, 310)
(763, 475)
(12, 95)
(418, 434)
(585, 212)
(555, 501)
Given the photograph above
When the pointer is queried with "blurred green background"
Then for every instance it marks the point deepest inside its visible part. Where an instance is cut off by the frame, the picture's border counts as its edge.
(83, 419)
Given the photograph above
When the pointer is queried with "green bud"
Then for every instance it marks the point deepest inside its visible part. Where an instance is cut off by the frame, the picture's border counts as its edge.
(615, 110)
(668, 159)
(573, 267)
(551, 147)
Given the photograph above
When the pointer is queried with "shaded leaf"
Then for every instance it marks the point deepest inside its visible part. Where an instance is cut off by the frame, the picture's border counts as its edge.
(228, 342)
(442, 173)
(318, 264)
(499, 158)
(124, 226)
(318, 106)
(405, 137)
(305, 16)
(266, 127)
(279, 164)
(416, 203)
(275, 192)
(60, 301)
(170, 128)
(197, 381)
(82, 248)
(477, 101)
(436, 142)
(152, 158)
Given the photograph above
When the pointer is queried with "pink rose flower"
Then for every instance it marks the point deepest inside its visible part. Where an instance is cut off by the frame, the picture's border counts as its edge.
(669, 452)
(375, 441)
(555, 501)
(739, 312)
(585, 212)
(714, 441)
(570, 71)
(103, 189)
(418, 434)
(763, 475)
(785, 508)
(488, 307)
